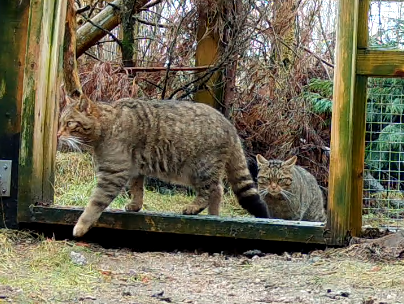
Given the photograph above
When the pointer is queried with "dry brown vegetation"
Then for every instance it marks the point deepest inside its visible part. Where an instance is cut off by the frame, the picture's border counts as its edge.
(277, 46)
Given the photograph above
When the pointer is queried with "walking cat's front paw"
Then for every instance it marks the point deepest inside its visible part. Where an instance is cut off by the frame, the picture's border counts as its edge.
(192, 210)
(133, 207)
(79, 230)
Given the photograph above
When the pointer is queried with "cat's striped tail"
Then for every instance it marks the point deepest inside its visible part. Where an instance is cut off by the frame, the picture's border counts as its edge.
(243, 185)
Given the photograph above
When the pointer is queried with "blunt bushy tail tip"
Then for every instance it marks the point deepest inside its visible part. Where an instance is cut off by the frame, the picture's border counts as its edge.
(255, 206)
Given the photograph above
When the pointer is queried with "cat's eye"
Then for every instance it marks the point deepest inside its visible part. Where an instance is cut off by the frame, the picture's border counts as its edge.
(71, 124)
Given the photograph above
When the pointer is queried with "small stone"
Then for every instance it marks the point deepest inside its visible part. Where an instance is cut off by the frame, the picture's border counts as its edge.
(126, 293)
(344, 294)
(255, 257)
(369, 301)
(287, 256)
(87, 298)
(251, 253)
(77, 258)
(314, 260)
(158, 294)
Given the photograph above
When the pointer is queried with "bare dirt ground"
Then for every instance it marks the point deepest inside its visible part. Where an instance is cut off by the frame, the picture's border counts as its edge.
(39, 270)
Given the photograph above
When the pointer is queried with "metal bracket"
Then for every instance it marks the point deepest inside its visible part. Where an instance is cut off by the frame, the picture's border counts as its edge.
(5, 177)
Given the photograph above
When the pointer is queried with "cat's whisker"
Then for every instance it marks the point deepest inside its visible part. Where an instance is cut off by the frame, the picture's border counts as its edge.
(287, 192)
(73, 142)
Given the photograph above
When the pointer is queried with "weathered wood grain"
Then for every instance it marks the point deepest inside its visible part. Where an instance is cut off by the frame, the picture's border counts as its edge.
(359, 127)
(339, 195)
(244, 228)
(13, 37)
(52, 106)
(380, 63)
(40, 93)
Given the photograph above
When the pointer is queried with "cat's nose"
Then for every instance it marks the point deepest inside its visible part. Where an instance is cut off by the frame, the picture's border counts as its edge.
(273, 185)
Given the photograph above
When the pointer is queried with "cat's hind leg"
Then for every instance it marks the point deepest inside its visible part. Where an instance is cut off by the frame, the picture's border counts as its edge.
(110, 182)
(136, 185)
(207, 196)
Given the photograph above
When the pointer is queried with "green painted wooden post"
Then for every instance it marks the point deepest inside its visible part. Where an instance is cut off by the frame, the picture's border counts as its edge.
(40, 98)
(359, 127)
(340, 191)
(13, 36)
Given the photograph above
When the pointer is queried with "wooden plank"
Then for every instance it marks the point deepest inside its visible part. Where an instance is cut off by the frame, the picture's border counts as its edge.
(339, 194)
(38, 110)
(244, 228)
(380, 63)
(359, 127)
(13, 37)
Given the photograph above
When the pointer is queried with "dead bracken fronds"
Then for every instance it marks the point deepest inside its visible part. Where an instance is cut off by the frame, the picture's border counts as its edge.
(271, 49)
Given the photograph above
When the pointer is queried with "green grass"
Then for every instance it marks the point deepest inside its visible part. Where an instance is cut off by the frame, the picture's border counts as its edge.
(38, 265)
(75, 179)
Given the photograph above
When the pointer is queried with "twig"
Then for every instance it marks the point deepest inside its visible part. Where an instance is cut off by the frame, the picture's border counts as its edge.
(170, 55)
(83, 9)
(325, 39)
(158, 69)
(104, 30)
(150, 4)
(152, 83)
(92, 56)
(315, 55)
(92, 9)
(149, 23)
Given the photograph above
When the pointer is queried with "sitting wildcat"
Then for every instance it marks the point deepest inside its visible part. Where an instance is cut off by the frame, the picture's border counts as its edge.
(175, 141)
(291, 192)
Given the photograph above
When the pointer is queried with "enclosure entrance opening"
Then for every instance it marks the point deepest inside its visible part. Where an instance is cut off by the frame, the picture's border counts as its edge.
(28, 130)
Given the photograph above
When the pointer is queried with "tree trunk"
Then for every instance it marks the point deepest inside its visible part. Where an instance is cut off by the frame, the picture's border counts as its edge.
(284, 22)
(231, 13)
(127, 33)
(107, 19)
(72, 85)
(207, 52)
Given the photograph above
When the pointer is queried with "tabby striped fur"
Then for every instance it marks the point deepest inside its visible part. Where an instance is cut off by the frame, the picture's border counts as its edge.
(176, 141)
(291, 192)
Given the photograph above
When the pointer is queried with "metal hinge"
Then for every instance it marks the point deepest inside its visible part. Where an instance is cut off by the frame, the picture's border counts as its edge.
(5, 177)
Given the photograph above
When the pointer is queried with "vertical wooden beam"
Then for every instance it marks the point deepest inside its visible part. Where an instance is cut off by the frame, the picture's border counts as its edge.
(359, 126)
(13, 37)
(340, 187)
(52, 105)
(40, 98)
(207, 52)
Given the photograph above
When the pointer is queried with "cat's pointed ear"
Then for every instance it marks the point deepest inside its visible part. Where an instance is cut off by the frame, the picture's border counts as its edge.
(261, 160)
(68, 99)
(290, 162)
(86, 105)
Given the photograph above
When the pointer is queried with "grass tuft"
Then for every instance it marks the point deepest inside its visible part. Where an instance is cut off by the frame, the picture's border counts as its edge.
(75, 179)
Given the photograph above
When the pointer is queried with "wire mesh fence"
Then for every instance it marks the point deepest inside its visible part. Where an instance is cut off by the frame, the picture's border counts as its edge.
(384, 155)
